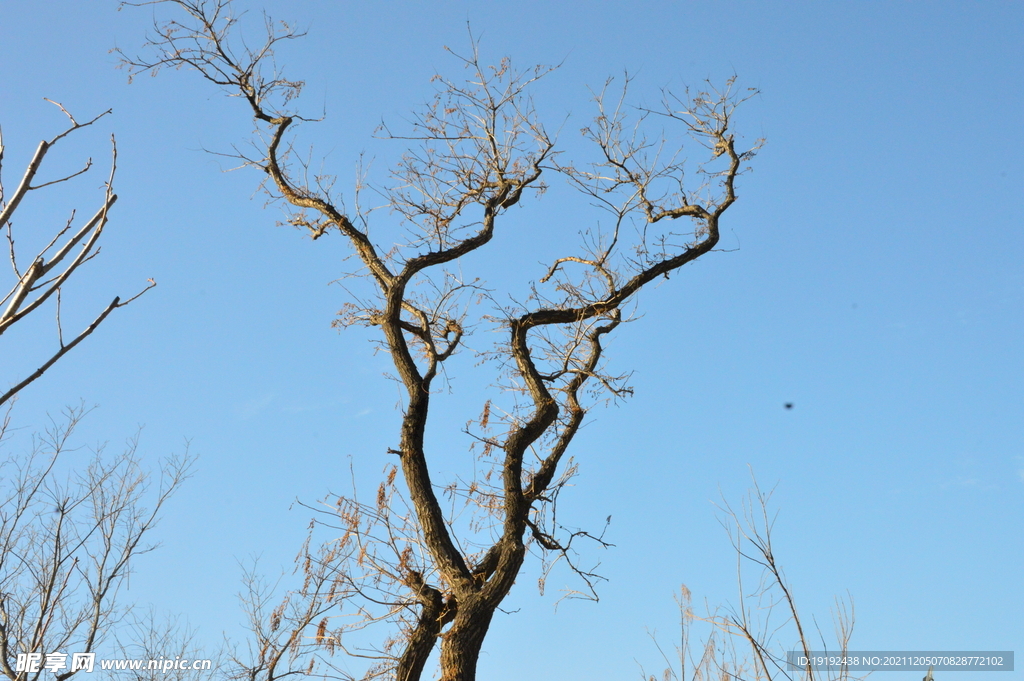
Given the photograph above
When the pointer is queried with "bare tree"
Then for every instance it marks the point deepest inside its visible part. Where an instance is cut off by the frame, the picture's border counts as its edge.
(64, 250)
(169, 640)
(430, 562)
(750, 641)
(67, 543)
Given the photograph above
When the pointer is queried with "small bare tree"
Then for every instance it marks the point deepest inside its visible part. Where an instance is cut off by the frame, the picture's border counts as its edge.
(67, 543)
(746, 642)
(69, 532)
(169, 639)
(62, 252)
(435, 562)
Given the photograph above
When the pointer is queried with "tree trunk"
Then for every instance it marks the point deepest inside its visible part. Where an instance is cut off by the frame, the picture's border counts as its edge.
(460, 645)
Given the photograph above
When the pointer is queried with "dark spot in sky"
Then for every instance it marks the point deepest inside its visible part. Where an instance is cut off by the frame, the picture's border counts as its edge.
(789, 405)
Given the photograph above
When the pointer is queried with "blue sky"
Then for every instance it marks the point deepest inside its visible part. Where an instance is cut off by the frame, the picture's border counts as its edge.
(876, 285)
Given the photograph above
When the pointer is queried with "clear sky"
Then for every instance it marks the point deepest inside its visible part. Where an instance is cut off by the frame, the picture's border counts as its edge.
(874, 280)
